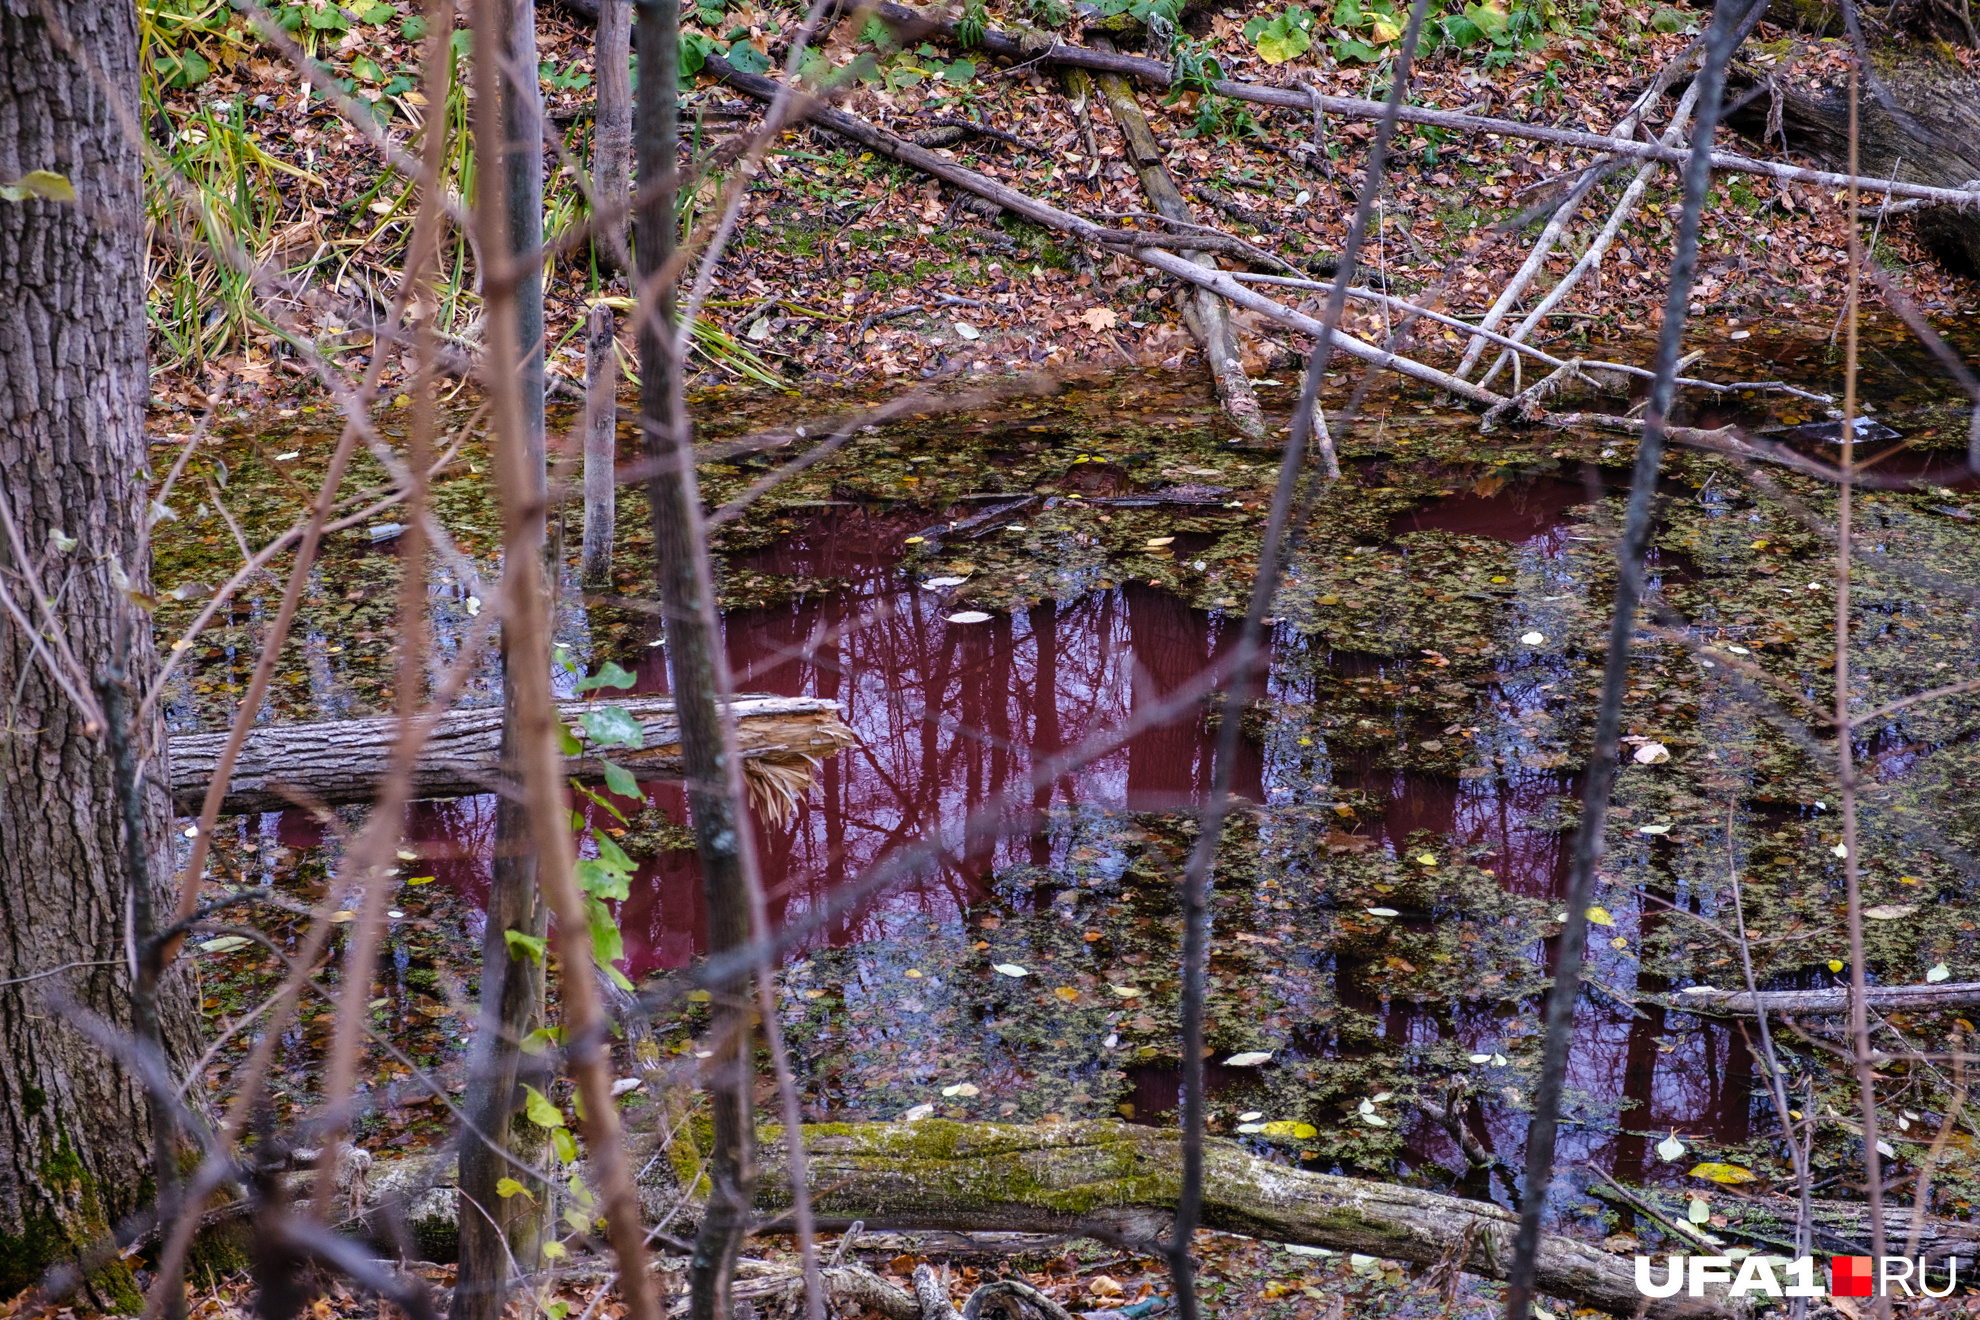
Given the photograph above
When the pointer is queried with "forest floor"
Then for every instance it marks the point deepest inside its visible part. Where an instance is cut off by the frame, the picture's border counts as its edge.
(851, 270)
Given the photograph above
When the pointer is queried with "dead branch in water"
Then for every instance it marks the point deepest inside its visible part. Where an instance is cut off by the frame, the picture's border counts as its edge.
(337, 761)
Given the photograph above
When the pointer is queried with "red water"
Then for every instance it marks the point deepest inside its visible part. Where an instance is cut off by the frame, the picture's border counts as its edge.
(954, 718)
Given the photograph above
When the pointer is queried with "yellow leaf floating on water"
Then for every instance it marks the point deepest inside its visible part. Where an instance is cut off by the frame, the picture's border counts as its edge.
(1723, 1173)
(1066, 993)
(1600, 917)
(1286, 1127)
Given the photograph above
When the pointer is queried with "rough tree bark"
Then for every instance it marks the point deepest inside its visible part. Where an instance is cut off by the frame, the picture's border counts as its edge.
(611, 152)
(73, 385)
(1933, 138)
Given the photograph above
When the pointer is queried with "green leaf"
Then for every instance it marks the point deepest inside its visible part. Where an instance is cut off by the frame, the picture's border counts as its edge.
(567, 742)
(613, 726)
(554, 1250)
(607, 945)
(365, 69)
(747, 57)
(609, 675)
(329, 19)
(521, 945)
(1489, 18)
(598, 800)
(182, 69)
(1461, 31)
(620, 780)
(539, 1041)
(538, 1109)
(960, 71)
(565, 1144)
(1355, 50)
(413, 28)
(600, 880)
(577, 1219)
(376, 12)
(613, 855)
(508, 1187)
(696, 47)
(1281, 41)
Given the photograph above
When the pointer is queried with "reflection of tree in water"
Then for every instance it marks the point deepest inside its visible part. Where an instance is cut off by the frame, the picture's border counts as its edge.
(952, 719)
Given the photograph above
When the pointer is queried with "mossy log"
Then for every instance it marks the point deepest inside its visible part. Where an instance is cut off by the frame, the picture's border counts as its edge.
(1119, 1182)
(337, 761)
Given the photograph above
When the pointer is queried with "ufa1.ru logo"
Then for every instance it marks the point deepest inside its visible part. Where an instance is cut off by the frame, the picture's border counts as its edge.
(1778, 1276)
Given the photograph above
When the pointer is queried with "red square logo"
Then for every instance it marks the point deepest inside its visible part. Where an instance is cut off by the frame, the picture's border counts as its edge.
(1852, 1276)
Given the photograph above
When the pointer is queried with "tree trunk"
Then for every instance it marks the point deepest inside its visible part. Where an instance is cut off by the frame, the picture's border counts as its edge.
(73, 385)
(699, 669)
(1929, 133)
(339, 761)
(611, 134)
(496, 1229)
(601, 445)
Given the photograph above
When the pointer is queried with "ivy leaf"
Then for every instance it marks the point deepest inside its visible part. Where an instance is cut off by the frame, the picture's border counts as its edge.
(508, 1187)
(521, 945)
(609, 675)
(567, 742)
(620, 780)
(613, 726)
(565, 1145)
(538, 1109)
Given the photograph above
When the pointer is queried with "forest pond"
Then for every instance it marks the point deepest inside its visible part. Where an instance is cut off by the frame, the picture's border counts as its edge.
(1387, 892)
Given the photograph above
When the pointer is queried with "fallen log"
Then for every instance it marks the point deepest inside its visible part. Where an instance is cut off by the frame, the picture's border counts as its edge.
(1838, 1227)
(1818, 1003)
(1207, 316)
(1119, 1182)
(338, 761)
(1140, 246)
(1113, 1181)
